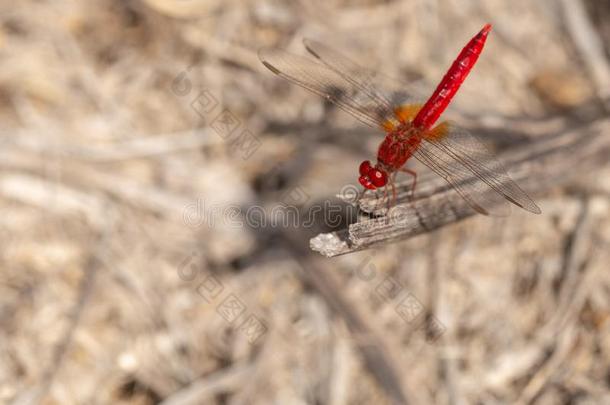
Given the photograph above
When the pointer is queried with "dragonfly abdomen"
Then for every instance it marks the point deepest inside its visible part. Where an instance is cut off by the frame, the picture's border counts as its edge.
(452, 81)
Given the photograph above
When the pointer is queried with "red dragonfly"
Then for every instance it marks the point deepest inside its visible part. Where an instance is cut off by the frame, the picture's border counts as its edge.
(452, 152)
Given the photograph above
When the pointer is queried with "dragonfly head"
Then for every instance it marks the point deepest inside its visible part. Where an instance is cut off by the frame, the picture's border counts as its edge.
(372, 177)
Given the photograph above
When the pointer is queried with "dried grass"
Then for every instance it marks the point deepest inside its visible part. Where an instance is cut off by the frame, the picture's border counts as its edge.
(103, 163)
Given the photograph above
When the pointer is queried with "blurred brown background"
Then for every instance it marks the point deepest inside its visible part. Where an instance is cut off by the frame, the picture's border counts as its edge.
(129, 276)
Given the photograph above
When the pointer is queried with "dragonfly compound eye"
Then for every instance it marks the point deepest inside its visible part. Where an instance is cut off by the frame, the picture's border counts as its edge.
(366, 183)
(379, 178)
(365, 168)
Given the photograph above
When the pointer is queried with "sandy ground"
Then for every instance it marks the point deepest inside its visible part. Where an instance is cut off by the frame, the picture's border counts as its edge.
(136, 270)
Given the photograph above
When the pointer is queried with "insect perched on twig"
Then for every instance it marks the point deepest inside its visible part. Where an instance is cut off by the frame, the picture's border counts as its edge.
(452, 152)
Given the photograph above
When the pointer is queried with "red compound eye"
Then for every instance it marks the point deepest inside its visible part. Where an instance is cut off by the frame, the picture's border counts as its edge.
(366, 183)
(365, 168)
(378, 177)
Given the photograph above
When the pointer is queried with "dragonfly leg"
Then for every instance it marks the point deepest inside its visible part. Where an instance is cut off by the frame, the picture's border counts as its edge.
(381, 200)
(377, 199)
(414, 183)
(392, 182)
(360, 195)
(385, 196)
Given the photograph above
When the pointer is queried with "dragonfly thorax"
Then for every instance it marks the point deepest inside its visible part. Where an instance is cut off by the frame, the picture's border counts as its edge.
(397, 147)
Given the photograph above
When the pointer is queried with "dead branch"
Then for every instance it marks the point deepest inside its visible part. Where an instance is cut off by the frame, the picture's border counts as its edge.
(537, 166)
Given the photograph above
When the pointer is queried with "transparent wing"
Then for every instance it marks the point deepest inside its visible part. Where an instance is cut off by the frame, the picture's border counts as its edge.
(369, 96)
(383, 89)
(320, 79)
(359, 77)
(466, 164)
